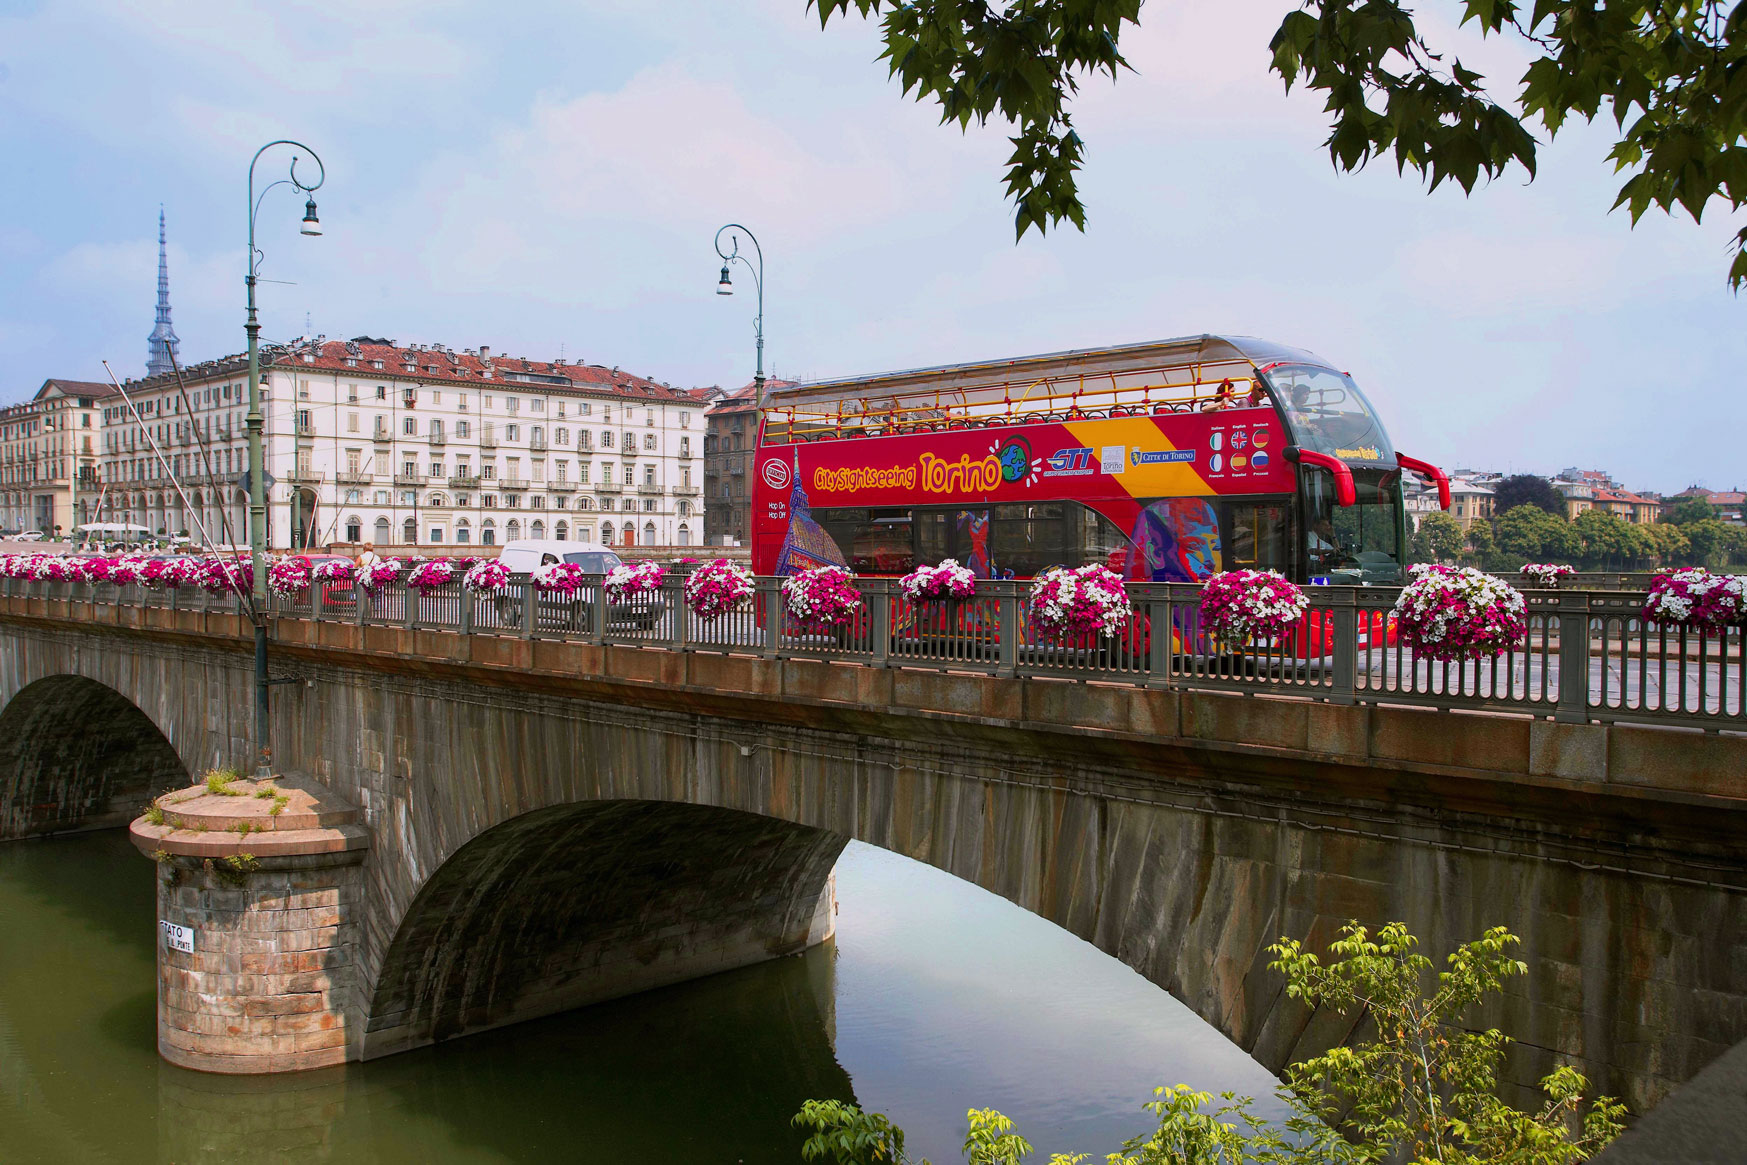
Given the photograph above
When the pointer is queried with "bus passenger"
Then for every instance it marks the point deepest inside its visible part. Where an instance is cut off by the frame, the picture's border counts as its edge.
(1225, 398)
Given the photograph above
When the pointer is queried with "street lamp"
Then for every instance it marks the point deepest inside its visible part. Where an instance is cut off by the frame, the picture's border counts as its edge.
(255, 422)
(726, 287)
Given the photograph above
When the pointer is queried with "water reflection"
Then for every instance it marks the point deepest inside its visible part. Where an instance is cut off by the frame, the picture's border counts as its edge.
(935, 997)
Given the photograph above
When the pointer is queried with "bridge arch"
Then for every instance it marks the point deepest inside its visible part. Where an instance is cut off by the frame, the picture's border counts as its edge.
(75, 754)
(578, 903)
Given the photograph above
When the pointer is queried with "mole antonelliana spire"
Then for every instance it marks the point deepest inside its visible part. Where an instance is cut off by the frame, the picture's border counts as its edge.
(163, 338)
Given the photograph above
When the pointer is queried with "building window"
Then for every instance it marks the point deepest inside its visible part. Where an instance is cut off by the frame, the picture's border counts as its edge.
(685, 535)
(462, 534)
(488, 536)
(537, 530)
(513, 530)
(607, 533)
(561, 436)
(512, 432)
(381, 389)
(630, 475)
(354, 529)
(382, 529)
(561, 531)
(409, 426)
(463, 429)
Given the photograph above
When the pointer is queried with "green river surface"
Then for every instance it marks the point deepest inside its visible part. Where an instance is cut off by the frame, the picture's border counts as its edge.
(934, 997)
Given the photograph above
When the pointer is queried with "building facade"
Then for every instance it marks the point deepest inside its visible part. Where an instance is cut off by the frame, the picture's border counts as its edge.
(49, 449)
(371, 441)
(731, 435)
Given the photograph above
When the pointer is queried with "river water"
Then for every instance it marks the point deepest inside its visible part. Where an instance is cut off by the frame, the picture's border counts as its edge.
(934, 997)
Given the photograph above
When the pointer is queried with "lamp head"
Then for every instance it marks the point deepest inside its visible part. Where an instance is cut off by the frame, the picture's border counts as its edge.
(311, 224)
(726, 287)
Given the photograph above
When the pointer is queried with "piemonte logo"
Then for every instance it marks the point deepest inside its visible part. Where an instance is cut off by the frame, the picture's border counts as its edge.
(776, 474)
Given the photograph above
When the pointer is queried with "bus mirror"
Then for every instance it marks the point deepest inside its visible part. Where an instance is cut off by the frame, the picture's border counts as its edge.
(1345, 494)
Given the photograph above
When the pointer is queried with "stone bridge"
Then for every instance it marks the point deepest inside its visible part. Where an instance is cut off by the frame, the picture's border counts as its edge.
(488, 829)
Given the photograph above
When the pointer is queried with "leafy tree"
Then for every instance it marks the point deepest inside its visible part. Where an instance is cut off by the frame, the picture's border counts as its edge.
(1689, 511)
(1530, 533)
(1424, 1090)
(1608, 540)
(1715, 543)
(1438, 539)
(1667, 71)
(1527, 489)
(1480, 540)
(1669, 542)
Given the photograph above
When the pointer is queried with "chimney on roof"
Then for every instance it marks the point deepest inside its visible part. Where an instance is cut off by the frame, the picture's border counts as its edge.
(485, 352)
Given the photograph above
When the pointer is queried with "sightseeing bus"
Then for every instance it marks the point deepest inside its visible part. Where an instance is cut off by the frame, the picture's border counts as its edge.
(1165, 461)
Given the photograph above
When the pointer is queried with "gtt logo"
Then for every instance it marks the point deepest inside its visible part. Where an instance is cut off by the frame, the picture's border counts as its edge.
(1067, 460)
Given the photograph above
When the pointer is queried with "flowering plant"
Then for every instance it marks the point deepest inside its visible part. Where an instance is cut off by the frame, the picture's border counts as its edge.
(821, 598)
(1697, 598)
(96, 569)
(627, 580)
(57, 568)
(948, 580)
(490, 575)
(170, 573)
(717, 588)
(1066, 604)
(379, 574)
(218, 575)
(1545, 574)
(126, 570)
(289, 577)
(1237, 605)
(336, 570)
(559, 578)
(1456, 612)
(429, 575)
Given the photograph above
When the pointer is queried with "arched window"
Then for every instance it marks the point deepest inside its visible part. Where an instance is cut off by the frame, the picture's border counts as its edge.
(354, 529)
(585, 503)
(513, 530)
(562, 530)
(382, 531)
(649, 533)
(685, 535)
(438, 501)
(463, 535)
(630, 533)
(487, 535)
(606, 533)
(537, 529)
(409, 532)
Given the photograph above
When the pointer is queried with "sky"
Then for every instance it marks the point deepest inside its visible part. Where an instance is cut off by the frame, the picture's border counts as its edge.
(546, 179)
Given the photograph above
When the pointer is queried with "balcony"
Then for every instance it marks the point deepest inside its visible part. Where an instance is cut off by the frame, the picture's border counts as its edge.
(537, 442)
(305, 428)
(608, 487)
(354, 477)
(464, 481)
(650, 487)
(306, 477)
(685, 491)
(561, 486)
(738, 469)
(487, 441)
(513, 483)
(409, 479)
(438, 439)
(384, 435)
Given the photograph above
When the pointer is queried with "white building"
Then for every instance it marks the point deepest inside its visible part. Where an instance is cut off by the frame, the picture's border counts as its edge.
(369, 441)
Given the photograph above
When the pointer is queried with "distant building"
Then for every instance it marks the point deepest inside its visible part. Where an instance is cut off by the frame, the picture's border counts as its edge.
(1730, 504)
(49, 449)
(730, 437)
(1470, 501)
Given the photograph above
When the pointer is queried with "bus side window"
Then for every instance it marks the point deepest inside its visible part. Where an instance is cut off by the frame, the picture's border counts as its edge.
(1258, 536)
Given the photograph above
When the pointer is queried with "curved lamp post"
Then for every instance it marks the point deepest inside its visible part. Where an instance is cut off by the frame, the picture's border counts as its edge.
(726, 287)
(257, 455)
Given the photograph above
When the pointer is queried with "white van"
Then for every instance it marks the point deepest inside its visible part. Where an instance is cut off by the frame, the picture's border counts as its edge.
(526, 555)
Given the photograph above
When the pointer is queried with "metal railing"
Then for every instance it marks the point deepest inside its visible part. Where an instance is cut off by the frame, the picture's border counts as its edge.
(1586, 656)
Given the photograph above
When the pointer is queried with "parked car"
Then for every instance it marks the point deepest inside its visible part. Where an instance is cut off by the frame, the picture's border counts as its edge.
(28, 536)
(526, 555)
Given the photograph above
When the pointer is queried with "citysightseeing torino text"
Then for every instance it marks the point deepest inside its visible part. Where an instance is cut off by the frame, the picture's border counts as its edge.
(936, 476)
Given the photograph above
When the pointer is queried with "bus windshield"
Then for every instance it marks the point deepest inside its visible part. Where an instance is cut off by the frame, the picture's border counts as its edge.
(1356, 544)
(1329, 414)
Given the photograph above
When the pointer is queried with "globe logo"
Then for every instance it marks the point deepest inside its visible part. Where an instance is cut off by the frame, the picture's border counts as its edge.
(1015, 458)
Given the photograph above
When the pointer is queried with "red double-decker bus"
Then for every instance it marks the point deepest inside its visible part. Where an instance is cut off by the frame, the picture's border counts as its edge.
(1166, 461)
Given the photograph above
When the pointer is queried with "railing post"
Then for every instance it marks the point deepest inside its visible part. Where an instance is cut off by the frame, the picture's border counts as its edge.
(1007, 661)
(360, 603)
(878, 594)
(770, 590)
(597, 616)
(673, 594)
(1573, 657)
(1159, 626)
(1342, 625)
(317, 599)
(465, 622)
(410, 605)
(530, 607)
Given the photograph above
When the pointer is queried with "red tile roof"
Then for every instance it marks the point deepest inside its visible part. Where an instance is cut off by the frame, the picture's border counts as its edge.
(433, 364)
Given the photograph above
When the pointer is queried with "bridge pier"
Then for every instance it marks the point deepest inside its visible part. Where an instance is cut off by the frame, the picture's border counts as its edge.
(259, 890)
